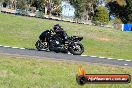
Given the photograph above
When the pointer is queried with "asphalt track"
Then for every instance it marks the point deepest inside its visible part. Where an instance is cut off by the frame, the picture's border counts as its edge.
(44, 54)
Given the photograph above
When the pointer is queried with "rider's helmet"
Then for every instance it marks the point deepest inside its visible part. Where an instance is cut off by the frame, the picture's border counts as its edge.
(57, 28)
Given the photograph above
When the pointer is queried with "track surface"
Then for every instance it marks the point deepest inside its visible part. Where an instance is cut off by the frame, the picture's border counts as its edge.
(43, 54)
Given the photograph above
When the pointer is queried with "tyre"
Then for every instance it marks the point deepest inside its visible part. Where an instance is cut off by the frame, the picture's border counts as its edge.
(41, 45)
(76, 49)
(81, 80)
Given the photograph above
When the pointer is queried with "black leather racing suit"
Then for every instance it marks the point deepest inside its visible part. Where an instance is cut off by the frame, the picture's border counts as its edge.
(62, 34)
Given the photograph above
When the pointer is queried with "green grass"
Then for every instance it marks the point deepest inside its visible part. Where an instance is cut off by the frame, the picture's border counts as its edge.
(24, 31)
(25, 72)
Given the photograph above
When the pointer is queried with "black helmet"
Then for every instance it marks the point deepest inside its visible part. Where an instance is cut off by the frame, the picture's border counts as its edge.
(57, 27)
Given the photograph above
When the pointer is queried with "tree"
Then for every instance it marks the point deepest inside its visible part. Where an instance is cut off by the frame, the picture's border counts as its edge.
(77, 4)
(46, 6)
(21, 4)
(121, 9)
(56, 7)
(101, 16)
(1, 1)
(84, 9)
(9, 3)
(116, 23)
(89, 9)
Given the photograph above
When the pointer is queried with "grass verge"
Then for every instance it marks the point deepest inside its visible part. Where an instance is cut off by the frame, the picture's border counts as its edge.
(25, 72)
(98, 41)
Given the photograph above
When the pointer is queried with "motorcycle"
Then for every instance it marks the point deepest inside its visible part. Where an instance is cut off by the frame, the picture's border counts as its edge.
(49, 41)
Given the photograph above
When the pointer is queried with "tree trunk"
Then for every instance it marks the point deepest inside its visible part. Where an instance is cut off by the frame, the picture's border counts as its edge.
(87, 17)
(46, 10)
(49, 14)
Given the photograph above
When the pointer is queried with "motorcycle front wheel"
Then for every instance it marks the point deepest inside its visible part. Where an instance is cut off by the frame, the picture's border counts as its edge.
(41, 45)
(76, 49)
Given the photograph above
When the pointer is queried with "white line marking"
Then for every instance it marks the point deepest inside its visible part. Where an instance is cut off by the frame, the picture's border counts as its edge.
(128, 60)
(6, 46)
(84, 55)
(120, 59)
(14, 47)
(109, 58)
(21, 48)
(125, 64)
(69, 53)
(0, 45)
(93, 56)
(101, 57)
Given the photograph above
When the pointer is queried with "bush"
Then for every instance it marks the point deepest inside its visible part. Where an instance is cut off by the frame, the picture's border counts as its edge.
(117, 23)
(101, 16)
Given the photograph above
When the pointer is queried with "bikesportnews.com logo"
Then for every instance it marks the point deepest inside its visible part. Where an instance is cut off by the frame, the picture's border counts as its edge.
(83, 78)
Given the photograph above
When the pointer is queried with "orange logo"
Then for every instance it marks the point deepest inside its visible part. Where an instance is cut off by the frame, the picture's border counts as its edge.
(83, 78)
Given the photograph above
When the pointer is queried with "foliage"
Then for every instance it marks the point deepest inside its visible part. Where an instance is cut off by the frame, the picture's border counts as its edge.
(21, 4)
(101, 16)
(46, 6)
(77, 4)
(9, 3)
(117, 21)
(57, 12)
(1, 1)
(122, 11)
(84, 8)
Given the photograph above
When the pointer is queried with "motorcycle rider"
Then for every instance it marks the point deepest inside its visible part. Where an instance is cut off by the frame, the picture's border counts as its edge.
(60, 32)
